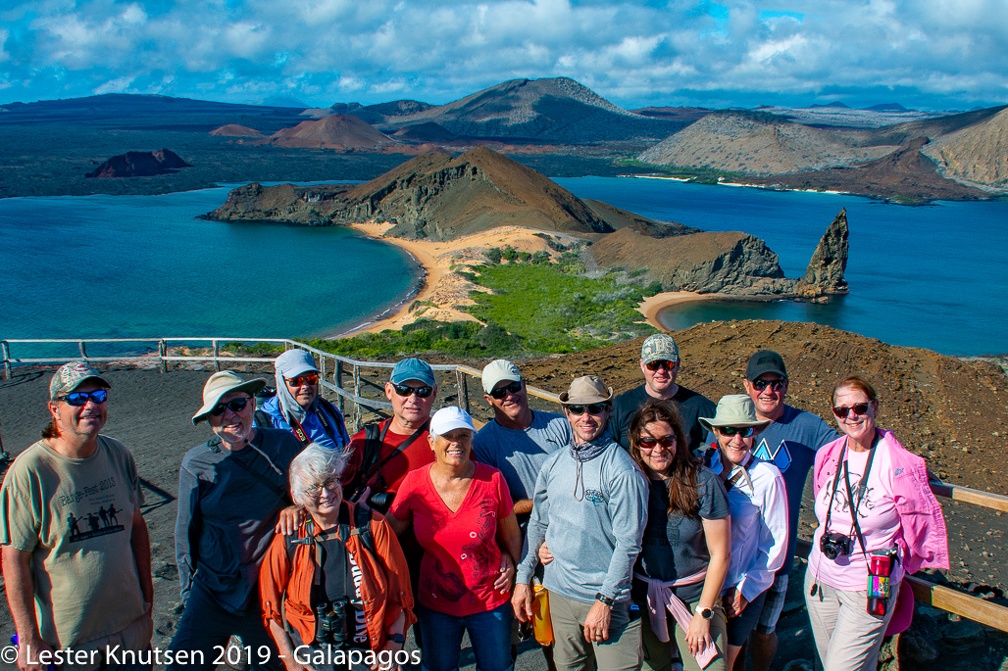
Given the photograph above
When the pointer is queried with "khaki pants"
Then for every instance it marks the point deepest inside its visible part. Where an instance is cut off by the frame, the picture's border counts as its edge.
(622, 652)
(847, 637)
(658, 656)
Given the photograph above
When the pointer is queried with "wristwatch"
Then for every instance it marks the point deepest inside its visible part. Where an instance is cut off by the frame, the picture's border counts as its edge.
(706, 613)
(397, 638)
(602, 598)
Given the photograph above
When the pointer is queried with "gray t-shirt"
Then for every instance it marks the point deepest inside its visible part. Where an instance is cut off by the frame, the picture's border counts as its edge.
(519, 454)
(675, 546)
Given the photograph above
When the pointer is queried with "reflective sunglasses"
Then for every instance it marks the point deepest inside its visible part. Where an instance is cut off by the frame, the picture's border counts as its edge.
(648, 444)
(309, 379)
(79, 398)
(235, 405)
(744, 431)
(775, 385)
(655, 365)
(405, 390)
(332, 484)
(858, 408)
(593, 409)
(501, 392)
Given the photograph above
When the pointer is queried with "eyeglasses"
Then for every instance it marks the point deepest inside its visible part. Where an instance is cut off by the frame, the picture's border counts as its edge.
(648, 444)
(234, 405)
(858, 408)
(332, 485)
(309, 379)
(501, 392)
(593, 409)
(79, 398)
(744, 431)
(406, 390)
(655, 365)
(775, 385)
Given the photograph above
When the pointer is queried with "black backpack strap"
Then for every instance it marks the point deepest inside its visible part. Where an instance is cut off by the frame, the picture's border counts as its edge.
(262, 419)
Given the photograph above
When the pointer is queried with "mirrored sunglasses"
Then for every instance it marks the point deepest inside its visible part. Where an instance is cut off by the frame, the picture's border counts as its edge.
(309, 379)
(655, 365)
(79, 398)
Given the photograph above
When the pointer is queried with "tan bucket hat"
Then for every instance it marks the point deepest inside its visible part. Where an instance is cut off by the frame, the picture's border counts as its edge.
(735, 410)
(585, 390)
(223, 383)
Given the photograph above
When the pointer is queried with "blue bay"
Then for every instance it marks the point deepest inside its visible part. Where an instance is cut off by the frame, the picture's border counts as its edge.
(933, 276)
(145, 266)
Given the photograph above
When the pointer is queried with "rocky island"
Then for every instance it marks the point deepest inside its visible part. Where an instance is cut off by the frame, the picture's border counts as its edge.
(438, 198)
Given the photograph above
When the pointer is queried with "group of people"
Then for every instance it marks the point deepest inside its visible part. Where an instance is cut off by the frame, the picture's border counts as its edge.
(661, 526)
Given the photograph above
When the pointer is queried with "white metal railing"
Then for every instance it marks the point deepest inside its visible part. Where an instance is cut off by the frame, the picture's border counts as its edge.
(334, 366)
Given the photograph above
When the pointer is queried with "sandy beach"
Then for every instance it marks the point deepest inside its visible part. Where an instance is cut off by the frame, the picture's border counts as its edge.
(652, 306)
(442, 292)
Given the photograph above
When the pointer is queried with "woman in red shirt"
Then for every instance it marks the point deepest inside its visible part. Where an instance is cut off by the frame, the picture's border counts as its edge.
(463, 517)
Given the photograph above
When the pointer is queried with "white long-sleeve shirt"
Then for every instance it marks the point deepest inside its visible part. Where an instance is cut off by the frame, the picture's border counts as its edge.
(759, 526)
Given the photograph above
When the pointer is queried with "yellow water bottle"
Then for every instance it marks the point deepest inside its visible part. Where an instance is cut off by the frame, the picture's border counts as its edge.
(542, 625)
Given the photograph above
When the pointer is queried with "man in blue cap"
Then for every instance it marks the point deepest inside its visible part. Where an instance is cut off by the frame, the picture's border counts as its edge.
(385, 452)
(297, 405)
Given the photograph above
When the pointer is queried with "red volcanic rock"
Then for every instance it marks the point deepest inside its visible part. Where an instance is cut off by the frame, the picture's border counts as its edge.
(235, 130)
(140, 164)
(336, 131)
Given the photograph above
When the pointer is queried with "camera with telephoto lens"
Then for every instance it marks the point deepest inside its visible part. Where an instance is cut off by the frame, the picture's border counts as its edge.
(334, 622)
(835, 544)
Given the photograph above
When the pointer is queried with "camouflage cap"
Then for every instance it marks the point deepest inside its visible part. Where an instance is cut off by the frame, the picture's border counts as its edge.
(71, 375)
(659, 347)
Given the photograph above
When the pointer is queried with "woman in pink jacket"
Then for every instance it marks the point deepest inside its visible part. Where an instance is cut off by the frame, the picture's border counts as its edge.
(878, 521)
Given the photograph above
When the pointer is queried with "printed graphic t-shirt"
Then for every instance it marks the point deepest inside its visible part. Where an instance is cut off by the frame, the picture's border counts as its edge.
(75, 517)
(461, 555)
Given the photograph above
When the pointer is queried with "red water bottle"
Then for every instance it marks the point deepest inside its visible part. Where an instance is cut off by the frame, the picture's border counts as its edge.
(879, 569)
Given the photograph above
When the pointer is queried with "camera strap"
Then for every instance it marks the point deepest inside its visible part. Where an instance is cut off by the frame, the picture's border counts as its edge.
(862, 489)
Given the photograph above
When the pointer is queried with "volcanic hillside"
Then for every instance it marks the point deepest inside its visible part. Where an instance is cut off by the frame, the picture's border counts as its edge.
(438, 196)
(759, 143)
(977, 153)
(337, 131)
(554, 110)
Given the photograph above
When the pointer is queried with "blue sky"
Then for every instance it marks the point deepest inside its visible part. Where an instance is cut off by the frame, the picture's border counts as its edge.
(924, 54)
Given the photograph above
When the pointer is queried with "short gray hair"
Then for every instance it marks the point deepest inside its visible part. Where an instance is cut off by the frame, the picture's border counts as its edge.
(313, 465)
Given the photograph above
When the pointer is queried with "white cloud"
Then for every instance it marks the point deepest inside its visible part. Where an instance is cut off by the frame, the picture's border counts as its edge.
(633, 53)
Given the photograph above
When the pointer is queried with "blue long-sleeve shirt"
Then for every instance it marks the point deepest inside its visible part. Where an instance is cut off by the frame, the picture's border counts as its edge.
(312, 425)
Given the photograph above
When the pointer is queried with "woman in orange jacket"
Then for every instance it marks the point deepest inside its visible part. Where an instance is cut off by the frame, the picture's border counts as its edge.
(343, 580)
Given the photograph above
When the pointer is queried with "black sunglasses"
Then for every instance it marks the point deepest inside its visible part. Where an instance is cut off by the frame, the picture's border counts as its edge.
(234, 405)
(593, 409)
(406, 390)
(501, 392)
(775, 385)
(744, 431)
(858, 408)
(79, 398)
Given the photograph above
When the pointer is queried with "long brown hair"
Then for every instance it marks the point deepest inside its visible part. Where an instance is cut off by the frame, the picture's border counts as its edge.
(682, 480)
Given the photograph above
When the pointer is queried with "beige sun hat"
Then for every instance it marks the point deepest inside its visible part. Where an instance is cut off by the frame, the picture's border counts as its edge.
(223, 383)
(585, 390)
(735, 410)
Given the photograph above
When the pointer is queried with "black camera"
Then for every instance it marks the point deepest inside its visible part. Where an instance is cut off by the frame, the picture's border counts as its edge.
(834, 544)
(380, 501)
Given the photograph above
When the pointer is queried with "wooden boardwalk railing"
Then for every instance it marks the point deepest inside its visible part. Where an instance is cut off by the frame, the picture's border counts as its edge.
(164, 352)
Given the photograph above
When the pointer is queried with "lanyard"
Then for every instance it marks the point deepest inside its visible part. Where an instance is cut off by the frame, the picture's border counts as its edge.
(862, 488)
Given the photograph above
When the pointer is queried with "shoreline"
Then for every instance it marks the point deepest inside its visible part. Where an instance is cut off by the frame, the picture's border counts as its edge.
(652, 306)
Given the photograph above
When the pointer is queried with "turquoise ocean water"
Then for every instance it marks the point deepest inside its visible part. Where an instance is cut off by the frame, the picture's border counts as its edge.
(933, 276)
(144, 266)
